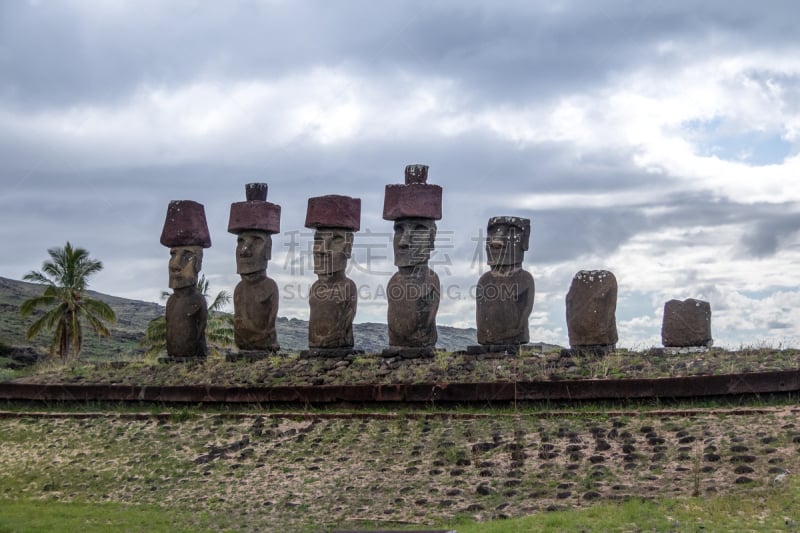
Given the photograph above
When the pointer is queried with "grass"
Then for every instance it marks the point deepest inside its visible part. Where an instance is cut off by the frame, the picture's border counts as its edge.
(289, 369)
(46, 516)
(776, 508)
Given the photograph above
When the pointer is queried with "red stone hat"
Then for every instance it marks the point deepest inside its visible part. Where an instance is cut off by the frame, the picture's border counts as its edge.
(414, 199)
(256, 213)
(185, 225)
(334, 211)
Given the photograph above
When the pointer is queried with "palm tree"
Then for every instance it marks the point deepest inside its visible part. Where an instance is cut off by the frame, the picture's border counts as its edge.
(219, 326)
(65, 277)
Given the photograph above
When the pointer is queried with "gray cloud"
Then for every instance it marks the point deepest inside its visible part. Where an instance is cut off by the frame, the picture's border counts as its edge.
(588, 196)
(768, 230)
(58, 54)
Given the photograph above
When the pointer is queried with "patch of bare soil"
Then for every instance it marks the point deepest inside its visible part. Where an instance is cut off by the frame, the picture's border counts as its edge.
(309, 473)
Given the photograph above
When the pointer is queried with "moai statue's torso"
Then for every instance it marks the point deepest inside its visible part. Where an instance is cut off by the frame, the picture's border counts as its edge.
(186, 317)
(413, 296)
(504, 304)
(333, 306)
(255, 308)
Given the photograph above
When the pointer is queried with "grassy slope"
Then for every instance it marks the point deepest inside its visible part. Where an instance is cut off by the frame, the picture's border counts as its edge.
(205, 472)
(132, 319)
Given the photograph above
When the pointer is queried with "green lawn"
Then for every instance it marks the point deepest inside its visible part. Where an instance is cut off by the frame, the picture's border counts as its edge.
(32, 516)
(775, 508)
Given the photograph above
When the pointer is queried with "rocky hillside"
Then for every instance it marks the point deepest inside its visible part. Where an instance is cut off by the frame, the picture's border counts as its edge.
(133, 316)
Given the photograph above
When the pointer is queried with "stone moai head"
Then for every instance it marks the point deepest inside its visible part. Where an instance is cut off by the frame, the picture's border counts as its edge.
(253, 222)
(414, 207)
(185, 263)
(507, 240)
(334, 219)
(185, 233)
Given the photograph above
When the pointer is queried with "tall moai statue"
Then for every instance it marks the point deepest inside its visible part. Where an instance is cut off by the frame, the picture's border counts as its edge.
(333, 296)
(686, 324)
(185, 233)
(255, 298)
(591, 308)
(413, 291)
(504, 295)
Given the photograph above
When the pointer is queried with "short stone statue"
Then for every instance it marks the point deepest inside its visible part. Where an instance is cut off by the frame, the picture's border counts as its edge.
(413, 291)
(591, 312)
(255, 298)
(686, 324)
(504, 295)
(186, 234)
(333, 296)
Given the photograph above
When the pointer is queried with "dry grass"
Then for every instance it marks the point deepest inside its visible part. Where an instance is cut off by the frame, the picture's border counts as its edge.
(305, 473)
(289, 369)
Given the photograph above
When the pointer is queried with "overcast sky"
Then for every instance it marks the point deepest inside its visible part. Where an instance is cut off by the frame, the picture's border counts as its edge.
(655, 140)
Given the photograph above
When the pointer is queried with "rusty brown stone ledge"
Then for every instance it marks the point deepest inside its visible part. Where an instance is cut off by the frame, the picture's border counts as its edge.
(166, 416)
(620, 389)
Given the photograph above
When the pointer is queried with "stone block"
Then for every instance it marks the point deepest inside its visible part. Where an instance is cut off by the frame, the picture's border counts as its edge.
(686, 323)
(334, 211)
(255, 213)
(415, 198)
(591, 309)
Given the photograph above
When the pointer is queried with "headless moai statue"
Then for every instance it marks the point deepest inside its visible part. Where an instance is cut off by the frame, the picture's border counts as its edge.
(591, 308)
(413, 291)
(686, 323)
(255, 298)
(504, 296)
(186, 234)
(334, 297)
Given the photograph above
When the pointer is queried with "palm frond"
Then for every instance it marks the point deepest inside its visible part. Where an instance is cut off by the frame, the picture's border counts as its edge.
(37, 277)
(97, 325)
(222, 299)
(31, 304)
(99, 309)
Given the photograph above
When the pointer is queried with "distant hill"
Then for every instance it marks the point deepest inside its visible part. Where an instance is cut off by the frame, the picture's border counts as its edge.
(132, 319)
(133, 316)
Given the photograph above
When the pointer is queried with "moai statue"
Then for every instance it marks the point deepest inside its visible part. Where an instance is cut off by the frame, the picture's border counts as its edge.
(591, 307)
(504, 296)
(186, 234)
(686, 324)
(413, 291)
(255, 298)
(333, 296)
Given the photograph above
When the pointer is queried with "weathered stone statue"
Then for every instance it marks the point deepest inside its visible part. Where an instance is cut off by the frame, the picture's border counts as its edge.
(413, 292)
(333, 296)
(186, 234)
(591, 308)
(255, 298)
(504, 295)
(686, 323)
